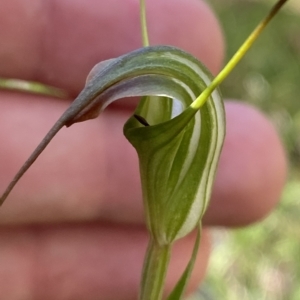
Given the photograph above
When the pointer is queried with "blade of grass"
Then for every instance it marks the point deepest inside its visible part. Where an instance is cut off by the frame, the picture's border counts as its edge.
(178, 291)
(237, 56)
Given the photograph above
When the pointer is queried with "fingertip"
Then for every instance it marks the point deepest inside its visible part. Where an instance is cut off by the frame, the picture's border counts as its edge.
(252, 169)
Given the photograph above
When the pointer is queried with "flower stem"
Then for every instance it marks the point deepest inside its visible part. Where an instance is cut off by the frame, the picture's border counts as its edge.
(145, 37)
(237, 56)
(154, 271)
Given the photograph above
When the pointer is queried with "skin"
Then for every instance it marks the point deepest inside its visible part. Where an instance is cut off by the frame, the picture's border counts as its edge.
(73, 227)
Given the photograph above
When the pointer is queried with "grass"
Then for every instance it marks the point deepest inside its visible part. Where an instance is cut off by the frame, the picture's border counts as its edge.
(261, 262)
(269, 75)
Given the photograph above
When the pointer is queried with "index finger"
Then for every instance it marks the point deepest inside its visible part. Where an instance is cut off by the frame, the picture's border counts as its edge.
(58, 42)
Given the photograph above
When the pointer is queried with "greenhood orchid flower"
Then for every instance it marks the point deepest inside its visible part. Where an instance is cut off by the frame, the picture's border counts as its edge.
(178, 152)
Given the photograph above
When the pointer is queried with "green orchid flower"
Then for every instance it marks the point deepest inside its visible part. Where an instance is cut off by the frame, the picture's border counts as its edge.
(179, 150)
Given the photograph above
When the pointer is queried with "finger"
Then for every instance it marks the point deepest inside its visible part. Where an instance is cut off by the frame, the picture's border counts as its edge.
(94, 261)
(58, 42)
(90, 172)
(81, 171)
(252, 169)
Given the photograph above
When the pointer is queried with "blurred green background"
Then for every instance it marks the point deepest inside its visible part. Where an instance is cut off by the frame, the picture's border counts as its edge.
(262, 262)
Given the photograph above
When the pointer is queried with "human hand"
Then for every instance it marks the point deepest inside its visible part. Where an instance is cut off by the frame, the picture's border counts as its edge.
(73, 227)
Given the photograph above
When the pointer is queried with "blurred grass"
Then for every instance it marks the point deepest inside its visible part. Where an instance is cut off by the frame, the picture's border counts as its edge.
(269, 76)
(31, 87)
(262, 261)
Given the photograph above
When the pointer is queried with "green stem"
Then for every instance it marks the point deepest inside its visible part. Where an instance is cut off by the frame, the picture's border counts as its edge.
(237, 57)
(144, 23)
(154, 271)
(31, 87)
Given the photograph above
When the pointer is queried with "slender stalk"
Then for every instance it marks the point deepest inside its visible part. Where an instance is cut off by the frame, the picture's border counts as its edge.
(237, 57)
(154, 271)
(31, 87)
(157, 257)
(145, 37)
